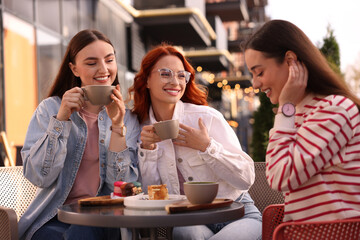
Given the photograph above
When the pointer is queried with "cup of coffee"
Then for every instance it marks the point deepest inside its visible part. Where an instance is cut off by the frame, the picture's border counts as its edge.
(168, 129)
(98, 94)
(201, 192)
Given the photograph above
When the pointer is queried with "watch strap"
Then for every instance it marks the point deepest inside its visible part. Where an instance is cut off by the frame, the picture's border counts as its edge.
(120, 130)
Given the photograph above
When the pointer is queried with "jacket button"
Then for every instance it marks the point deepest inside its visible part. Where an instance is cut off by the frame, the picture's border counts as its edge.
(120, 159)
(101, 118)
(141, 154)
(212, 151)
(57, 129)
(102, 165)
(102, 141)
(180, 160)
(190, 178)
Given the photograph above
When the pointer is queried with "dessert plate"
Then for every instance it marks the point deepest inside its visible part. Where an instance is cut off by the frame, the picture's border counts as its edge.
(143, 202)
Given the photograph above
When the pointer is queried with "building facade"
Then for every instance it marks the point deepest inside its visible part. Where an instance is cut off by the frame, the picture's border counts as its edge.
(35, 34)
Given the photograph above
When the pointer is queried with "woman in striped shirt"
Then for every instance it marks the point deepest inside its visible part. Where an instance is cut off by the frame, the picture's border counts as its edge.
(313, 155)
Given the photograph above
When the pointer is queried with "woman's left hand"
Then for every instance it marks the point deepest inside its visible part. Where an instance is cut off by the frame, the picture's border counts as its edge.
(116, 109)
(294, 89)
(193, 138)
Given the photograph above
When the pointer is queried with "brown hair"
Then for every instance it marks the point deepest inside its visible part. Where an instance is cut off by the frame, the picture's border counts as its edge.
(142, 101)
(276, 37)
(65, 78)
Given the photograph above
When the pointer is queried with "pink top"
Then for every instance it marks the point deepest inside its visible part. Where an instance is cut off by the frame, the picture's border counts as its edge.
(181, 181)
(88, 176)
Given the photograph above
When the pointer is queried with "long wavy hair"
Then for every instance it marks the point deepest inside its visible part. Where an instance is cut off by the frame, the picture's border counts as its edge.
(276, 37)
(65, 78)
(140, 93)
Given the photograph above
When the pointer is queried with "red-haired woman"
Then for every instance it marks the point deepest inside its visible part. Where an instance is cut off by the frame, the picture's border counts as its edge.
(206, 149)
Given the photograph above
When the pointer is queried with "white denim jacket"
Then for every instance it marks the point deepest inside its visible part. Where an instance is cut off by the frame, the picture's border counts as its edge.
(52, 153)
(223, 161)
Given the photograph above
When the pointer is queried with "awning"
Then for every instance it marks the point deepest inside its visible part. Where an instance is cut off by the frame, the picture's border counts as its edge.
(235, 10)
(213, 60)
(177, 26)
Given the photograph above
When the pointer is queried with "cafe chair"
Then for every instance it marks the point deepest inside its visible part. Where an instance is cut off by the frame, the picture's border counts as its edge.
(6, 147)
(345, 229)
(262, 194)
(275, 228)
(8, 224)
(15, 196)
(271, 218)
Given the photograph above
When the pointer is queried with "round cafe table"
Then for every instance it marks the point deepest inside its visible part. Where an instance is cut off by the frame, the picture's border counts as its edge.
(118, 216)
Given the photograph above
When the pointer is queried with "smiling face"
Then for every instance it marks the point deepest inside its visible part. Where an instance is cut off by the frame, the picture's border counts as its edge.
(165, 95)
(268, 75)
(95, 64)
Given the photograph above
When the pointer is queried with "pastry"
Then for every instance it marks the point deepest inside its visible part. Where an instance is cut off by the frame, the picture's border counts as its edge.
(117, 188)
(124, 189)
(158, 192)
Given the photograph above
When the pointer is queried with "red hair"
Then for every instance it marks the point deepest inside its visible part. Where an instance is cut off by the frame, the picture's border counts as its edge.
(193, 93)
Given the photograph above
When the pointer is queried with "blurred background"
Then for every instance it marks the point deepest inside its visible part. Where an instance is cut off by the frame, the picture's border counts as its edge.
(34, 35)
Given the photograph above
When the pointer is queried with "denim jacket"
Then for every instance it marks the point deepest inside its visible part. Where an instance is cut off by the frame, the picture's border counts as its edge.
(52, 153)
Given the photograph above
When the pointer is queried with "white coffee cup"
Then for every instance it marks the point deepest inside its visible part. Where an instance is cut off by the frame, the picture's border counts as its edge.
(98, 94)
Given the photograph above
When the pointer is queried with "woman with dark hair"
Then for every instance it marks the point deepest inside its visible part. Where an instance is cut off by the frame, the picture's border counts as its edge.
(207, 149)
(313, 151)
(74, 149)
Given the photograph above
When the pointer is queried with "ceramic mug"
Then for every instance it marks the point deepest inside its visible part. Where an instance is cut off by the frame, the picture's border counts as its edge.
(168, 129)
(201, 192)
(98, 94)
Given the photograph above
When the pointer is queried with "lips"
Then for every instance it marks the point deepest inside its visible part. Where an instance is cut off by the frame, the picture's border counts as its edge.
(267, 92)
(173, 92)
(102, 79)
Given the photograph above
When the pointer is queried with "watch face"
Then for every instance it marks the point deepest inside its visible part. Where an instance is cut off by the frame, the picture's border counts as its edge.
(288, 109)
(123, 131)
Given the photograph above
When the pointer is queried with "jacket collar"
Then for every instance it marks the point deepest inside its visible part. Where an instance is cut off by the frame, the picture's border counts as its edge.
(178, 112)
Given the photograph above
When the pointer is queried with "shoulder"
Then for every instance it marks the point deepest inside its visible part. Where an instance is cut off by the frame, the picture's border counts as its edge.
(333, 106)
(335, 101)
(50, 104)
(210, 116)
(202, 110)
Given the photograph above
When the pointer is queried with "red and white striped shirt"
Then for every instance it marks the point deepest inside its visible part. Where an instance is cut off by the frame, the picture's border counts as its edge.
(314, 159)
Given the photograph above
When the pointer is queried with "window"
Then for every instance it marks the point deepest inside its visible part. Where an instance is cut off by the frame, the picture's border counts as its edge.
(48, 14)
(49, 60)
(19, 76)
(23, 8)
(70, 18)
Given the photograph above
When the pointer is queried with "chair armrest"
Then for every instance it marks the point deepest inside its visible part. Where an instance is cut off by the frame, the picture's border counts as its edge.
(8, 224)
(272, 216)
(344, 229)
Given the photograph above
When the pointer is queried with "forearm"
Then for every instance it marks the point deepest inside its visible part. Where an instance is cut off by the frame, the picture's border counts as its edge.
(44, 152)
(117, 142)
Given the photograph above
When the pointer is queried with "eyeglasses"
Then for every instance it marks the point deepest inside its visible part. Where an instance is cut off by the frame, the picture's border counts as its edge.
(166, 75)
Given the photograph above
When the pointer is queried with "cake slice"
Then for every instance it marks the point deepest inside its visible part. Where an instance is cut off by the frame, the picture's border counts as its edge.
(158, 192)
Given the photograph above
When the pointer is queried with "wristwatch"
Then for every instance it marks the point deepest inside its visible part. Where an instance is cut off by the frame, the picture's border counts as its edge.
(288, 109)
(120, 130)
